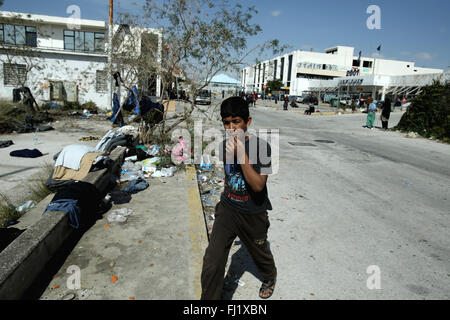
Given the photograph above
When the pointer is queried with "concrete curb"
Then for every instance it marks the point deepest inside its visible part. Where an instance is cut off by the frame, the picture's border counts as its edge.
(24, 259)
(197, 228)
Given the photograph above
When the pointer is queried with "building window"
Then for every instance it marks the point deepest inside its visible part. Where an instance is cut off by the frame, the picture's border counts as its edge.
(275, 69)
(84, 41)
(31, 36)
(101, 81)
(289, 68)
(18, 35)
(356, 63)
(367, 64)
(99, 42)
(14, 74)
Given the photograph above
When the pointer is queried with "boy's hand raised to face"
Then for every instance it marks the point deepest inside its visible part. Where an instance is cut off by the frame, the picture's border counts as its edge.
(236, 145)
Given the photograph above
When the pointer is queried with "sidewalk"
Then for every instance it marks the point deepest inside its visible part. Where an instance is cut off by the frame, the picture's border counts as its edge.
(155, 255)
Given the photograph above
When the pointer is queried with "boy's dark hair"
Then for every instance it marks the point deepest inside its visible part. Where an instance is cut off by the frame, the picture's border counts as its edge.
(234, 107)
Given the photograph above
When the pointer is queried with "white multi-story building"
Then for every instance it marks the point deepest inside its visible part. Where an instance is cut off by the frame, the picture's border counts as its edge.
(300, 70)
(62, 59)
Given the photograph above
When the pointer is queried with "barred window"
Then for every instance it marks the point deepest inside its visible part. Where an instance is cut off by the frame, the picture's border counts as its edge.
(101, 81)
(14, 74)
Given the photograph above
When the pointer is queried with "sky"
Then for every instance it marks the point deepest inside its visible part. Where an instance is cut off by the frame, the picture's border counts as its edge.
(409, 30)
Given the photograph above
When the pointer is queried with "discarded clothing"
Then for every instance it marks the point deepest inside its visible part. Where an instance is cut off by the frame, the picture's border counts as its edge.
(8, 235)
(101, 162)
(5, 143)
(70, 206)
(71, 155)
(87, 196)
(55, 185)
(128, 130)
(26, 153)
(136, 185)
(64, 173)
(123, 141)
(120, 197)
(116, 117)
(111, 134)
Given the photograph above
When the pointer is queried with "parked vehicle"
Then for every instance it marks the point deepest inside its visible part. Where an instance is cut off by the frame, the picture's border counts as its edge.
(310, 99)
(204, 97)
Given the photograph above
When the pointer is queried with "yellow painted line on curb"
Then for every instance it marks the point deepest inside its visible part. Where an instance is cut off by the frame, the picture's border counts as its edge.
(197, 228)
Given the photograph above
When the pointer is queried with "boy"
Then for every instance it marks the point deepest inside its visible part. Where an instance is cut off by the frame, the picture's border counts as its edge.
(242, 210)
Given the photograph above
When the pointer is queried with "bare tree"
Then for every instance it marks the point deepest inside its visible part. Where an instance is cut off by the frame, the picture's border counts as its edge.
(200, 38)
(20, 56)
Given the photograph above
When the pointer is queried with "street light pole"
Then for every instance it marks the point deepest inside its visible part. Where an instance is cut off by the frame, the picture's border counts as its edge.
(110, 33)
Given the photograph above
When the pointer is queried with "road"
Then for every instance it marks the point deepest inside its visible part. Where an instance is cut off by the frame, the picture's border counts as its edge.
(364, 217)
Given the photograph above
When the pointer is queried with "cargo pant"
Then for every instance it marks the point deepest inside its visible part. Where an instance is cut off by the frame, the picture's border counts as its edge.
(370, 119)
(252, 231)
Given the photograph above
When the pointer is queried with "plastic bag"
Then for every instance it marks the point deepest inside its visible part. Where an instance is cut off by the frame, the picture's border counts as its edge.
(131, 171)
(164, 172)
(205, 164)
(153, 151)
(26, 206)
(119, 215)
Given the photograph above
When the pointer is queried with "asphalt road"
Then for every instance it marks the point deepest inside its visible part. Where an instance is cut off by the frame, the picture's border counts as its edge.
(365, 216)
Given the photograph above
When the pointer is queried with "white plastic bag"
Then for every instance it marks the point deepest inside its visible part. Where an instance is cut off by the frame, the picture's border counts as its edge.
(119, 215)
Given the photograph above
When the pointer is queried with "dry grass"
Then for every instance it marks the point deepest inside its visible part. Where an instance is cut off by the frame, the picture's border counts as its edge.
(10, 112)
(38, 191)
(7, 210)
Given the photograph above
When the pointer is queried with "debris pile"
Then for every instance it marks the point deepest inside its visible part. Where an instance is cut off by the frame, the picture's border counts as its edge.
(211, 182)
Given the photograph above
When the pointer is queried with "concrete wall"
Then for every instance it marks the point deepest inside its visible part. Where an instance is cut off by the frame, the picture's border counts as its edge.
(76, 67)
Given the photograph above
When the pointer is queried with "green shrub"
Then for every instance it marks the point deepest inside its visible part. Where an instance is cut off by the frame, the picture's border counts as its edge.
(91, 106)
(72, 106)
(429, 112)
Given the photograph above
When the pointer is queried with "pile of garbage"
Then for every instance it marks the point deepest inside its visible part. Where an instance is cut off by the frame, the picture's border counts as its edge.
(145, 164)
(211, 182)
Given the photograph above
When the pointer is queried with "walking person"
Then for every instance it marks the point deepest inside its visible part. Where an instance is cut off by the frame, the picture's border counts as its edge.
(242, 210)
(385, 114)
(286, 102)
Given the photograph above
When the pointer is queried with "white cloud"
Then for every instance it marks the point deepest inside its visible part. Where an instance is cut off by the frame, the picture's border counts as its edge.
(424, 56)
(377, 55)
(276, 13)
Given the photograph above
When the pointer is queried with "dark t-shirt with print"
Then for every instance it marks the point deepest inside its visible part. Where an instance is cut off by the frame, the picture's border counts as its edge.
(237, 192)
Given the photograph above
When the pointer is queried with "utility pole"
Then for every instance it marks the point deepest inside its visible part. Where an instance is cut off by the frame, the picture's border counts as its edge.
(110, 33)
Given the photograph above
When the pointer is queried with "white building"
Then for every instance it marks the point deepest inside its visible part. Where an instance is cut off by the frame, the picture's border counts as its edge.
(298, 69)
(62, 59)
(223, 82)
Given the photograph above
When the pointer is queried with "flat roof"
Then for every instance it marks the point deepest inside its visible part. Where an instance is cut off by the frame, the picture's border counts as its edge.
(39, 18)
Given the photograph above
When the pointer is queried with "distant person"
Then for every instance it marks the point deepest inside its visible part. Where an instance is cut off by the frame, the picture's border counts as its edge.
(249, 99)
(309, 110)
(385, 114)
(286, 102)
(254, 97)
(372, 109)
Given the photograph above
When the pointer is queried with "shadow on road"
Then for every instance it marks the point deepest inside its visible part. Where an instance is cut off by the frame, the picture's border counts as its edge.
(241, 262)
